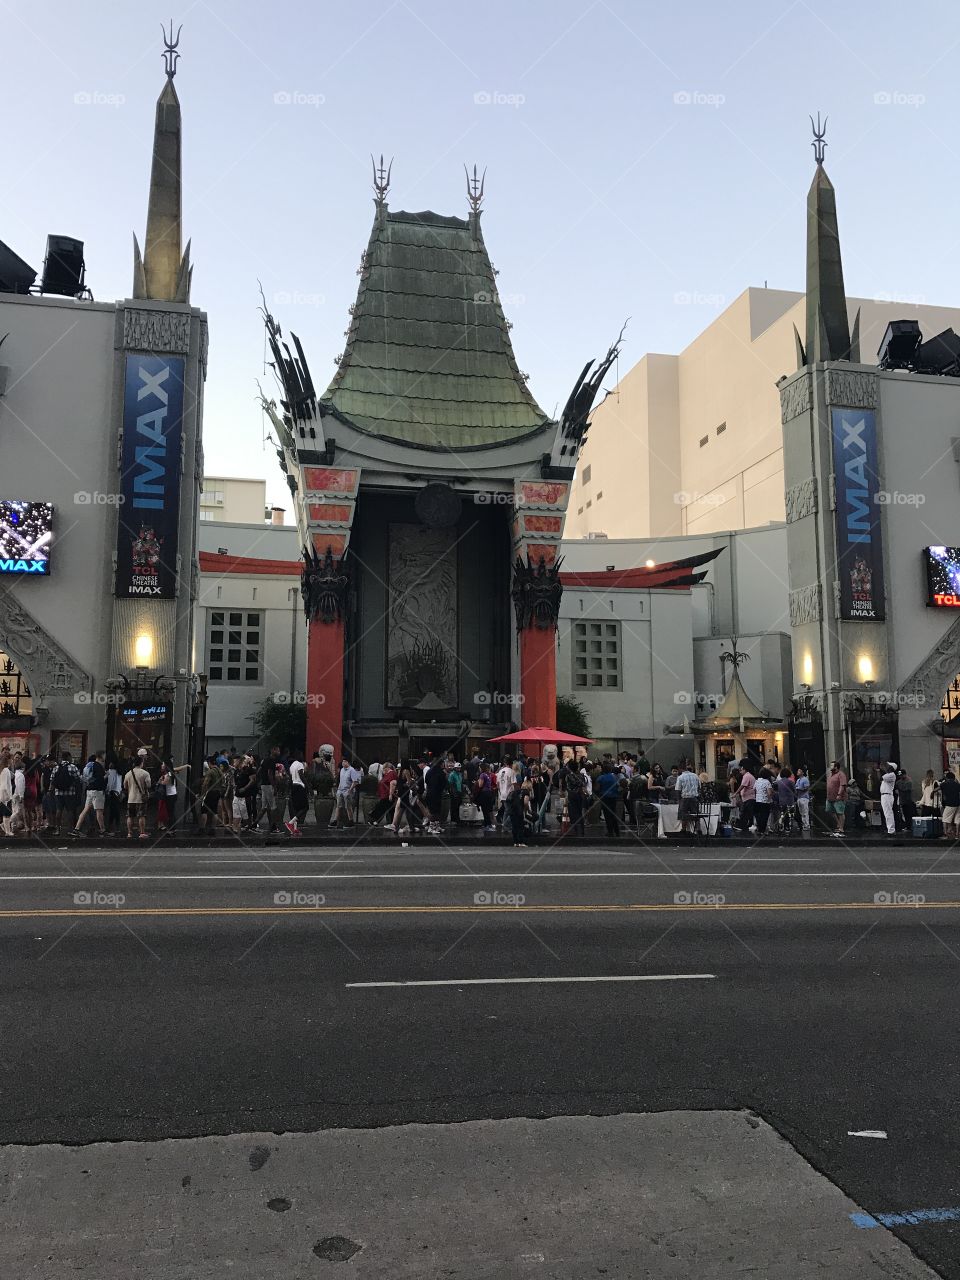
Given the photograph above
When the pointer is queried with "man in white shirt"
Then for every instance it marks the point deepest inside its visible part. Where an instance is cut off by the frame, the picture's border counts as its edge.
(298, 797)
(6, 797)
(137, 786)
(505, 780)
(346, 792)
(888, 781)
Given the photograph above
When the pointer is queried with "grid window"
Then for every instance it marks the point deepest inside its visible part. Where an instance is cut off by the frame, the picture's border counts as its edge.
(234, 650)
(596, 655)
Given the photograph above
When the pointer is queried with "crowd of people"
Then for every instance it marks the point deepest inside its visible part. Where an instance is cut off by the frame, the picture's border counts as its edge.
(272, 793)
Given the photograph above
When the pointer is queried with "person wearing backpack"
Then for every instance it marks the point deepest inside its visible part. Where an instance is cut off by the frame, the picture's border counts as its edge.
(137, 785)
(96, 777)
(483, 794)
(573, 786)
(66, 781)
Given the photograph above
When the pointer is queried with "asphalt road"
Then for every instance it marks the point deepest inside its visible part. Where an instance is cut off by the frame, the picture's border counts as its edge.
(147, 995)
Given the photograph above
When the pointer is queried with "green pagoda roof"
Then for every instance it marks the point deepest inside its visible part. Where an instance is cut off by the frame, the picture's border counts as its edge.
(428, 358)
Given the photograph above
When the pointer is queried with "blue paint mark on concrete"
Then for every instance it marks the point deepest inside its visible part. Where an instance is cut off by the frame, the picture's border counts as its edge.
(908, 1218)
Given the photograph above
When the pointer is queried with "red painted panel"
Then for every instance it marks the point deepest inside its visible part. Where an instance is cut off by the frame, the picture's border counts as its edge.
(335, 542)
(544, 492)
(330, 512)
(543, 524)
(325, 641)
(330, 479)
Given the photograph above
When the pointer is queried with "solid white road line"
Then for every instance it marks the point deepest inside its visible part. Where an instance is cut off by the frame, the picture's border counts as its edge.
(487, 982)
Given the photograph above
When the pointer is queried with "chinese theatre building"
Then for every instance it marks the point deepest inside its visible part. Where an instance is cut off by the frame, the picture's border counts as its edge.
(430, 491)
(872, 471)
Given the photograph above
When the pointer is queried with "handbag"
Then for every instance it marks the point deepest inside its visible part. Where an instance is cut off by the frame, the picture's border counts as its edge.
(469, 812)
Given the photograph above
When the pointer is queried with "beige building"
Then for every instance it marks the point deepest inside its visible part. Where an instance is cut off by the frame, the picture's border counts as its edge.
(234, 500)
(693, 444)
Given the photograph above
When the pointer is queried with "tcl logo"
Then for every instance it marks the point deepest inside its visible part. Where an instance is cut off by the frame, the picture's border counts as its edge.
(942, 598)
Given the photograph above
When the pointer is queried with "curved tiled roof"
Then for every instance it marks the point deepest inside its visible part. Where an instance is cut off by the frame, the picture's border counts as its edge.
(428, 358)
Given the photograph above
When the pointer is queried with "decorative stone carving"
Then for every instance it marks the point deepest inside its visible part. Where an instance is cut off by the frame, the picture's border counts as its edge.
(323, 585)
(926, 686)
(801, 499)
(49, 668)
(855, 390)
(156, 330)
(795, 399)
(537, 591)
(805, 605)
(204, 346)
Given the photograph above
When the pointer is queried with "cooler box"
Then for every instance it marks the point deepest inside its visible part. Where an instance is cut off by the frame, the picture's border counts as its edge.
(928, 828)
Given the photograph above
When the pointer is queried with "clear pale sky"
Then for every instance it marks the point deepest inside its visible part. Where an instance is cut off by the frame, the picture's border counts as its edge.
(643, 160)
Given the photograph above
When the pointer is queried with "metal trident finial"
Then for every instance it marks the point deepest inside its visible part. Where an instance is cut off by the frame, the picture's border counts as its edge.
(475, 188)
(381, 180)
(819, 136)
(170, 55)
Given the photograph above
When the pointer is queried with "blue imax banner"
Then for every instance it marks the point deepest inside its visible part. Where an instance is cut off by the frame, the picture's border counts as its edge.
(150, 477)
(859, 546)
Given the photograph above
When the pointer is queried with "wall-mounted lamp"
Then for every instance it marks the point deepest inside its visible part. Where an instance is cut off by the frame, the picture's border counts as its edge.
(143, 651)
(865, 668)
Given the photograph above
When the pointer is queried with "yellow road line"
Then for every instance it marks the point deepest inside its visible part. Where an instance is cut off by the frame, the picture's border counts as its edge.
(629, 908)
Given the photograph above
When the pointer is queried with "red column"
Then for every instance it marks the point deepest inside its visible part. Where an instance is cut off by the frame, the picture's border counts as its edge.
(538, 677)
(325, 645)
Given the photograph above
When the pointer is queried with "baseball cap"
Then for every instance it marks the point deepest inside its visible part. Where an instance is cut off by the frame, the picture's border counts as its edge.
(142, 752)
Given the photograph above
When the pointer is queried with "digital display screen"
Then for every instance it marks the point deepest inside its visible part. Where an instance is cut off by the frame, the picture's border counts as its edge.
(26, 531)
(943, 577)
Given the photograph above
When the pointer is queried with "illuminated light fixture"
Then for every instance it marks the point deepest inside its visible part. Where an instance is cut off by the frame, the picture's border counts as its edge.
(651, 564)
(865, 668)
(807, 669)
(143, 649)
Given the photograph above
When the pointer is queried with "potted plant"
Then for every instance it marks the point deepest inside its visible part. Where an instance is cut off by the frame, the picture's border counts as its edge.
(322, 784)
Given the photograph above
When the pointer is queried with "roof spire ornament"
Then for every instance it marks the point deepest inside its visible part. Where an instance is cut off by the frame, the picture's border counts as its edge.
(475, 189)
(170, 55)
(381, 181)
(819, 138)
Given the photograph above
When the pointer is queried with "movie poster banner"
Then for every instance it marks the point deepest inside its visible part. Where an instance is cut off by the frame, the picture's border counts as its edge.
(859, 545)
(150, 477)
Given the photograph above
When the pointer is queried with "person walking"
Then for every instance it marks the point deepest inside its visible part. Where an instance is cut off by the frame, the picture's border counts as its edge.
(455, 789)
(434, 785)
(763, 800)
(505, 780)
(573, 786)
(6, 792)
(802, 789)
(347, 785)
(517, 806)
(787, 797)
(66, 780)
(608, 790)
(837, 796)
(211, 793)
(484, 793)
(386, 794)
(266, 777)
(136, 785)
(96, 796)
(746, 797)
(888, 783)
(298, 797)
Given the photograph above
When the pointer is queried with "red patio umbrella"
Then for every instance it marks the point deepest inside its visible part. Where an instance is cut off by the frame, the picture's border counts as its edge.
(539, 734)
